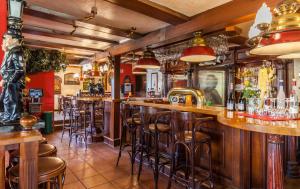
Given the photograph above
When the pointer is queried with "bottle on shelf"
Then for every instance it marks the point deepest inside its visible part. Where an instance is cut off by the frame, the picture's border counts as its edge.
(281, 96)
(294, 103)
(231, 99)
(267, 102)
(241, 103)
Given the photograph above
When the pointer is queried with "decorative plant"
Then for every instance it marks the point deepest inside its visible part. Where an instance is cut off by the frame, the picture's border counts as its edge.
(249, 91)
(40, 60)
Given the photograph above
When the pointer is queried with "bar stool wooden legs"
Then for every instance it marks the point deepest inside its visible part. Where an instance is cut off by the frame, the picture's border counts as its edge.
(186, 135)
(155, 125)
(130, 122)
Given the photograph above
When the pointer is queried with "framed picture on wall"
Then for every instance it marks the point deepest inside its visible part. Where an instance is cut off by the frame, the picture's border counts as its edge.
(154, 81)
(212, 82)
(57, 84)
(71, 79)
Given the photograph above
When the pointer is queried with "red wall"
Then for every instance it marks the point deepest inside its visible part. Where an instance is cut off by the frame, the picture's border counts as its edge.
(126, 69)
(3, 24)
(45, 81)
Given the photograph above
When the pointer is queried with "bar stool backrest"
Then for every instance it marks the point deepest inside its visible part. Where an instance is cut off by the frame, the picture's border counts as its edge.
(182, 122)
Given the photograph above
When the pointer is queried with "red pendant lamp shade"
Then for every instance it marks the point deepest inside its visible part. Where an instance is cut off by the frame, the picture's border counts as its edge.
(281, 37)
(279, 43)
(139, 71)
(199, 52)
(148, 61)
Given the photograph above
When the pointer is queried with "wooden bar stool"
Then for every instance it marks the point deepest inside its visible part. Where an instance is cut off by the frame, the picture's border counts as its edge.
(45, 150)
(185, 134)
(51, 173)
(130, 120)
(66, 110)
(80, 120)
(155, 124)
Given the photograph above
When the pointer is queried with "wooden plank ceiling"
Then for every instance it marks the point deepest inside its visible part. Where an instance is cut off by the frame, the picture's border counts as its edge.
(121, 26)
(61, 25)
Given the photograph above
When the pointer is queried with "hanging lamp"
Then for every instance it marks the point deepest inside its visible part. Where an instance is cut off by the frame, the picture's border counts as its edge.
(95, 70)
(148, 61)
(139, 71)
(199, 52)
(282, 36)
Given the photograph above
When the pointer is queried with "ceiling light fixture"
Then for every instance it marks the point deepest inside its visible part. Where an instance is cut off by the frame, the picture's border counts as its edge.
(199, 52)
(148, 61)
(281, 37)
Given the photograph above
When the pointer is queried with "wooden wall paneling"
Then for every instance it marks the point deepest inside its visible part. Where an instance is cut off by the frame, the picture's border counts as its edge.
(258, 160)
(224, 148)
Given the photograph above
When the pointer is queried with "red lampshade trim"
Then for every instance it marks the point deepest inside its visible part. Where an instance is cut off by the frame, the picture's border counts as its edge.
(139, 71)
(147, 63)
(198, 54)
(280, 43)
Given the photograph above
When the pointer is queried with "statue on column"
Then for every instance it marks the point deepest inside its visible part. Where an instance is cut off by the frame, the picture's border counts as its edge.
(12, 73)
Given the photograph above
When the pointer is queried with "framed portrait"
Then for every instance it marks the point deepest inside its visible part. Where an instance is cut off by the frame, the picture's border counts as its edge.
(70, 79)
(154, 81)
(212, 83)
(57, 84)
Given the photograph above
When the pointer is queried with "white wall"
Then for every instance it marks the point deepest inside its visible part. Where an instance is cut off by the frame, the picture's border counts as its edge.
(67, 89)
(149, 72)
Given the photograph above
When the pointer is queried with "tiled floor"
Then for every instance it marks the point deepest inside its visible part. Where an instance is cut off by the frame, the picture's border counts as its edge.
(95, 168)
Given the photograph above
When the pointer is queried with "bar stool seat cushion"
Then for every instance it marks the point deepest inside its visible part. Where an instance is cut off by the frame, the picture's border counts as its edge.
(198, 135)
(43, 141)
(135, 120)
(48, 167)
(47, 150)
(44, 151)
(161, 127)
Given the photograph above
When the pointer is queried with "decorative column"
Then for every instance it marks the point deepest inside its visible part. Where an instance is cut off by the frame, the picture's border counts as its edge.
(114, 130)
(275, 178)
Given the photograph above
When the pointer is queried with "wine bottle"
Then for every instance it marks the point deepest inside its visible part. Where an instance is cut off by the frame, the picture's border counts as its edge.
(231, 99)
(242, 103)
(280, 96)
(294, 103)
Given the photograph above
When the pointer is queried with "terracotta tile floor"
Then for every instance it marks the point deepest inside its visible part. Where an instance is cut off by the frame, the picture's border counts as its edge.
(95, 168)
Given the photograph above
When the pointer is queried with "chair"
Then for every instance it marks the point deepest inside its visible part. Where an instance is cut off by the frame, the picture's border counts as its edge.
(80, 119)
(66, 110)
(51, 173)
(155, 124)
(185, 132)
(130, 121)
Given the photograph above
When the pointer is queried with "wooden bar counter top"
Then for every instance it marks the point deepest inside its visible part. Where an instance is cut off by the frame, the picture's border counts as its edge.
(255, 146)
(232, 119)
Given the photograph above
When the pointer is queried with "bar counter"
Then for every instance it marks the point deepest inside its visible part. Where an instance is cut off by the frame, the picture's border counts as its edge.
(247, 152)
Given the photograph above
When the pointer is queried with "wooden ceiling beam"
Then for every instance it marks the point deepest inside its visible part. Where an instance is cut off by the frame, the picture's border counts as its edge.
(86, 25)
(74, 37)
(216, 19)
(58, 45)
(152, 10)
